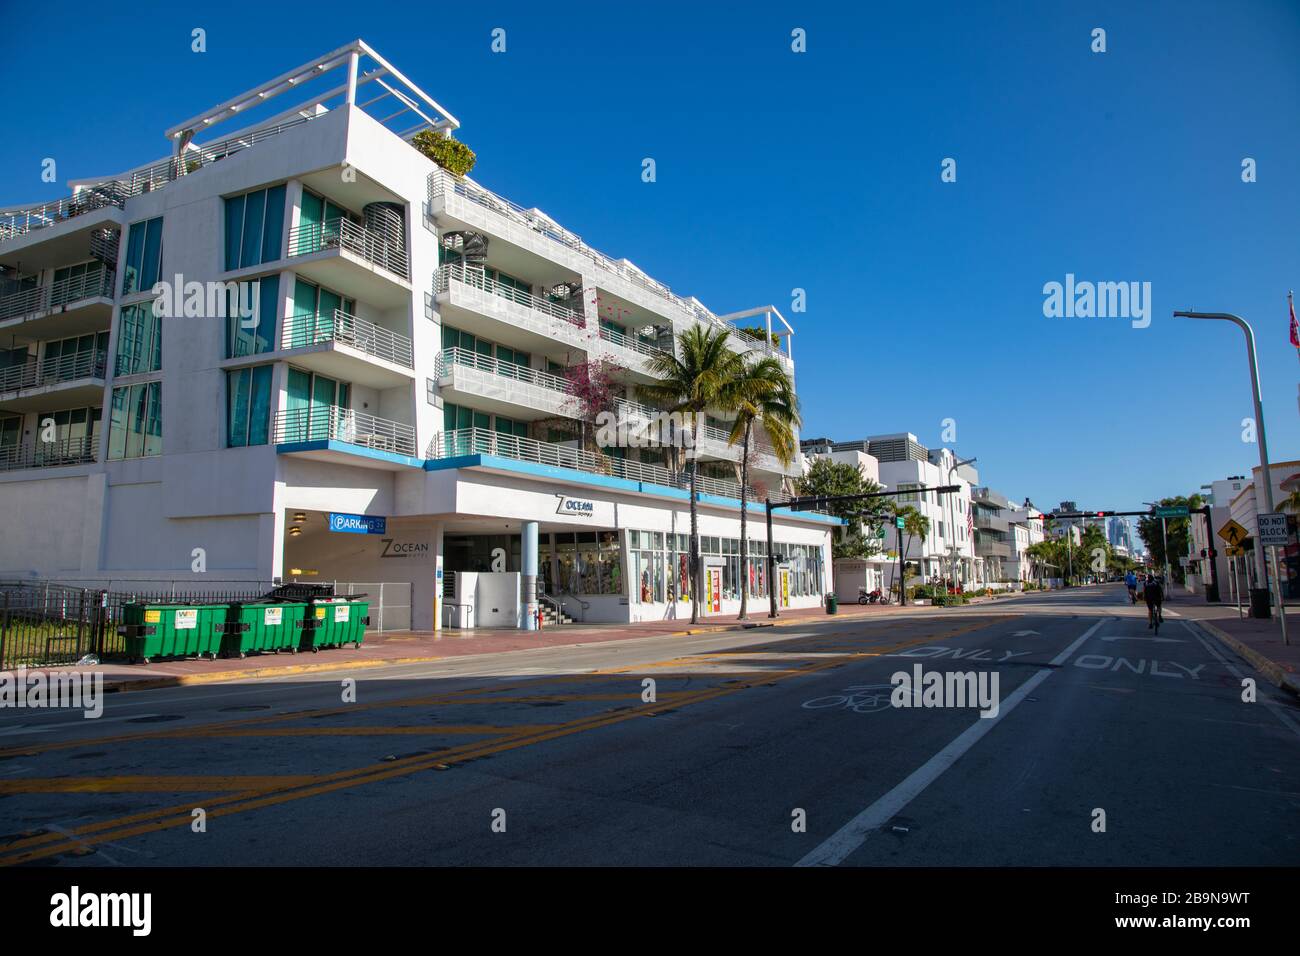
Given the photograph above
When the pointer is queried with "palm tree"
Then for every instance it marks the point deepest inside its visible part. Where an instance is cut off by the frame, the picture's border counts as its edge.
(915, 525)
(761, 395)
(1292, 501)
(688, 385)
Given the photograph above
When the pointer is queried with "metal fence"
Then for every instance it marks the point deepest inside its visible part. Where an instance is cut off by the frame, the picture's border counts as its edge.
(61, 622)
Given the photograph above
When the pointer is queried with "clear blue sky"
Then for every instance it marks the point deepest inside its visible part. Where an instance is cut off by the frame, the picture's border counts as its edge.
(821, 171)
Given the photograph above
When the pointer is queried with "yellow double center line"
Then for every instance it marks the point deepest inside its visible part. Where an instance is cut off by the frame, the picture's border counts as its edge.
(54, 843)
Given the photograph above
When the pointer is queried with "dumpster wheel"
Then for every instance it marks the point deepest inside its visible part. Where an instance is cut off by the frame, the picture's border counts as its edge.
(315, 649)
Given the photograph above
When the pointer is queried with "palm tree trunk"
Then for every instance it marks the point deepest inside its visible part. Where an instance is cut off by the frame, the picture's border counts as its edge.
(744, 545)
(694, 561)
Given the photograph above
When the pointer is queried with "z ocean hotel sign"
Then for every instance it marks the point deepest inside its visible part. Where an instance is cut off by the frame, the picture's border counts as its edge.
(574, 507)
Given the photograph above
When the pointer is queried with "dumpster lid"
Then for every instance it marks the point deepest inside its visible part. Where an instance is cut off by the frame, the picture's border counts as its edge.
(300, 591)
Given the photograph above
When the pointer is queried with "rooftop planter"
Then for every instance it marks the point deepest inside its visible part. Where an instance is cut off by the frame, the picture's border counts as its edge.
(451, 154)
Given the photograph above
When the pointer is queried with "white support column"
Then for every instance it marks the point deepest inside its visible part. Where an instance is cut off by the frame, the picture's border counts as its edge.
(354, 58)
(528, 558)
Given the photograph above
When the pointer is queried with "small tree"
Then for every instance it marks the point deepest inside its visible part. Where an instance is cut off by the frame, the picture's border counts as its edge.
(592, 385)
(827, 478)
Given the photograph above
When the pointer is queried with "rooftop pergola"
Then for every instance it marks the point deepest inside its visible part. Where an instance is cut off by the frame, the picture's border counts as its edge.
(366, 72)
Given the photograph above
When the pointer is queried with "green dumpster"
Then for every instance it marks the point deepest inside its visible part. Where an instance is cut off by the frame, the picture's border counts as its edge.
(333, 623)
(171, 630)
(832, 603)
(261, 626)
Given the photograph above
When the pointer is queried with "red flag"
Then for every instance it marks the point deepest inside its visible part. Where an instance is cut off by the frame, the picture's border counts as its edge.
(1295, 328)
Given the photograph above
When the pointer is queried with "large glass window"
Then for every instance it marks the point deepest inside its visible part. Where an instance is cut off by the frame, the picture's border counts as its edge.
(316, 313)
(252, 335)
(248, 405)
(254, 227)
(319, 221)
(317, 408)
(139, 340)
(135, 421)
(143, 255)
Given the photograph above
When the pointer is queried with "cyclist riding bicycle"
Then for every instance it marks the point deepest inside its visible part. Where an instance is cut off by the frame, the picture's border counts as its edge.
(1131, 580)
(1154, 593)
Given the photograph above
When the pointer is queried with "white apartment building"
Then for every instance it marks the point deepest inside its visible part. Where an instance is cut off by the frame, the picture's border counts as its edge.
(1244, 507)
(905, 464)
(397, 403)
(1026, 524)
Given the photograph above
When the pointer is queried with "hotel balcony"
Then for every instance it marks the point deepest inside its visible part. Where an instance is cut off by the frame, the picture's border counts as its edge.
(366, 264)
(467, 297)
(65, 308)
(471, 206)
(68, 451)
(60, 228)
(346, 347)
(482, 441)
(343, 435)
(985, 520)
(73, 379)
(505, 388)
(630, 351)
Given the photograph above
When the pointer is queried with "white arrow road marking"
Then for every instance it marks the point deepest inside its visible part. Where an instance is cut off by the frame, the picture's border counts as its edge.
(1154, 640)
(1023, 633)
(844, 841)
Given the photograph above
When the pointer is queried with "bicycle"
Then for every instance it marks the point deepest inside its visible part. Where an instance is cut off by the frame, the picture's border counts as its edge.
(1155, 617)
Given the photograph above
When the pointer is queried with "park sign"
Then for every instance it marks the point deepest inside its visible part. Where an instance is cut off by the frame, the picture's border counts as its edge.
(1274, 530)
(1172, 511)
(358, 524)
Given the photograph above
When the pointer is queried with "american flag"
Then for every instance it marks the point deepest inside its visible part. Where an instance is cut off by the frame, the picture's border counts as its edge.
(970, 524)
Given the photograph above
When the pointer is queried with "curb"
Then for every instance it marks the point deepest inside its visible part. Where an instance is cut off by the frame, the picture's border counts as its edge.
(1271, 669)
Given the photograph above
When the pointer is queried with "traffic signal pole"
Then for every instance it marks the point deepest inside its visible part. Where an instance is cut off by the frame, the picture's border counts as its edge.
(810, 502)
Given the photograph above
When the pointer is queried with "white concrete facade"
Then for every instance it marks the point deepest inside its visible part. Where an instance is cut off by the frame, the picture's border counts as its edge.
(380, 445)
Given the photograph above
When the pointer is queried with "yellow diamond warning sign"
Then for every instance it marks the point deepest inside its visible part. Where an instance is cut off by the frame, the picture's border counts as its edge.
(1233, 533)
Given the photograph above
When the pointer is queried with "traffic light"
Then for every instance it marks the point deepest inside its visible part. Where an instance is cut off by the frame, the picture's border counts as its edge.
(1101, 514)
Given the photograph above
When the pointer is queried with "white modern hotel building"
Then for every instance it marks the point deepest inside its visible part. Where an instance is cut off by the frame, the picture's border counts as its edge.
(407, 371)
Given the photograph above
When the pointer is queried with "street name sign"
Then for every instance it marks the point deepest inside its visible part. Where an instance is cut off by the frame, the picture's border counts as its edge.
(1172, 511)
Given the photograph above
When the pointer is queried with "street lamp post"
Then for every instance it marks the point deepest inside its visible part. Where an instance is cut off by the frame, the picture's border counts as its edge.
(952, 515)
(1258, 596)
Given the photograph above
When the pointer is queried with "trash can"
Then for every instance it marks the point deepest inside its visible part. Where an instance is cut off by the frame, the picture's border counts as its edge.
(333, 623)
(832, 604)
(171, 630)
(261, 626)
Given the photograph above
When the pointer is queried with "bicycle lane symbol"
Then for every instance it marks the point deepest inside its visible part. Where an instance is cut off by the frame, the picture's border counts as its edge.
(859, 698)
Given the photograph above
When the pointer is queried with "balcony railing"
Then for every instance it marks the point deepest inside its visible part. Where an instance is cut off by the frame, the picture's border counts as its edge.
(340, 233)
(114, 192)
(65, 451)
(478, 279)
(52, 371)
(322, 422)
(633, 343)
(468, 358)
(310, 328)
(91, 285)
(442, 183)
(17, 222)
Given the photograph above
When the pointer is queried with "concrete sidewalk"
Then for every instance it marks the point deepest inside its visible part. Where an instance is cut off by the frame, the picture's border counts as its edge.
(1259, 641)
(417, 647)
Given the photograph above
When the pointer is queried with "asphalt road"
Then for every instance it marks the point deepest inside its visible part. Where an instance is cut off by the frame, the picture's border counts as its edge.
(556, 756)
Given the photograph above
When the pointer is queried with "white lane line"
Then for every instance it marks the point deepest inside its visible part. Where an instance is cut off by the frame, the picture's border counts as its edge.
(837, 848)
(1273, 708)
